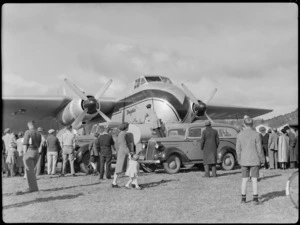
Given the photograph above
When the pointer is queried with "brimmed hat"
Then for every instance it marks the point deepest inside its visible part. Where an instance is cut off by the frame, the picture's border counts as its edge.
(262, 129)
(40, 129)
(51, 131)
(207, 123)
(6, 130)
(248, 121)
(124, 126)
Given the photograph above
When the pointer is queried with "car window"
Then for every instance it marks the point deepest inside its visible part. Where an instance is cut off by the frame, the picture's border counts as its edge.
(176, 132)
(227, 132)
(195, 132)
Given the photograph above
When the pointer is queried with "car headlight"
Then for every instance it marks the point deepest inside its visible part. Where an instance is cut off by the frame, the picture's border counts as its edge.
(157, 146)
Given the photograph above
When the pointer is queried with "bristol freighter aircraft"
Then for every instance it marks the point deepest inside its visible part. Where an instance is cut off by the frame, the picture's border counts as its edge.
(170, 102)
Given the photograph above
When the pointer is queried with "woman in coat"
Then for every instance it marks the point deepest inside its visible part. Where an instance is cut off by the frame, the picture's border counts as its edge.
(125, 145)
(283, 148)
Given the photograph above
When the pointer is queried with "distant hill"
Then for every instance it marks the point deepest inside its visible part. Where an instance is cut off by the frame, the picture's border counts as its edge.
(274, 122)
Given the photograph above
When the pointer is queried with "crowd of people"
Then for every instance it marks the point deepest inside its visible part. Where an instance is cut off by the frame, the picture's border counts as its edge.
(26, 154)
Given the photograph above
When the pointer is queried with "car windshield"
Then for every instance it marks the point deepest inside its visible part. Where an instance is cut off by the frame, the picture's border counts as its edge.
(176, 132)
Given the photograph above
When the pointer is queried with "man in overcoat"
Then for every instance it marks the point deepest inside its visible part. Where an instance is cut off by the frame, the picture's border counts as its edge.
(292, 144)
(209, 144)
(273, 149)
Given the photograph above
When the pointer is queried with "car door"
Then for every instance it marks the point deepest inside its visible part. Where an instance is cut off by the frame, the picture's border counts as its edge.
(192, 144)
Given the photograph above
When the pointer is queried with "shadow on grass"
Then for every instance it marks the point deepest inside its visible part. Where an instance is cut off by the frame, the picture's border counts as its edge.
(39, 200)
(272, 195)
(228, 173)
(65, 188)
(271, 176)
(154, 184)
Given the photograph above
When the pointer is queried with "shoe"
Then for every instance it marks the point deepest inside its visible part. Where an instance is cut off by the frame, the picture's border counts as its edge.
(108, 178)
(101, 178)
(61, 175)
(74, 175)
(243, 201)
(133, 185)
(138, 188)
(127, 187)
(255, 202)
(115, 186)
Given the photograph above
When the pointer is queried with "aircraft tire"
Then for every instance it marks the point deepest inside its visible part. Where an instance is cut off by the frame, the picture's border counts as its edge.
(228, 161)
(172, 165)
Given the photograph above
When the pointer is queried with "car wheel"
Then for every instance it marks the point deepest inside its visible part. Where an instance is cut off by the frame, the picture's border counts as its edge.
(148, 168)
(228, 161)
(172, 165)
(85, 164)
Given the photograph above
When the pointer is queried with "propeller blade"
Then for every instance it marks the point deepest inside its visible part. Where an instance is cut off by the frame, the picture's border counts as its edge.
(103, 89)
(75, 89)
(103, 115)
(208, 118)
(79, 118)
(211, 95)
(189, 94)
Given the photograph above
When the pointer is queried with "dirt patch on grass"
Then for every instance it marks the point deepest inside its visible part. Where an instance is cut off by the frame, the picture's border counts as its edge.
(186, 197)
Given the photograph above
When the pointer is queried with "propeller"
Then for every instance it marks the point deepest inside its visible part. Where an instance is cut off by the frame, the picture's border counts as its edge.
(90, 104)
(199, 106)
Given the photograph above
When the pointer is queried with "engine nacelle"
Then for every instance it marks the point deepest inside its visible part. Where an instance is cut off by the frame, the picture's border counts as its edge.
(199, 109)
(72, 111)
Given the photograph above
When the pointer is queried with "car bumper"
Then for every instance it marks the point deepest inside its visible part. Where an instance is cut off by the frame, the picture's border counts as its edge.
(149, 161)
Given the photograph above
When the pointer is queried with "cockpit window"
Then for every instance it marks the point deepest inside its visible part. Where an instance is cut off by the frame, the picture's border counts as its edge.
(166, 80)
(153, 79)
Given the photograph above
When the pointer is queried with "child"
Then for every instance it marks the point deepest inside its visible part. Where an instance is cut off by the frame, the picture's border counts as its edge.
(132, 171)
(11, 155)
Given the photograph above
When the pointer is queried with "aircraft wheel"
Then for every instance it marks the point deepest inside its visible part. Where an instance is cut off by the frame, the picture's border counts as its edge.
(148, 168)
(228, 161)
(172, 165)
(85, 164)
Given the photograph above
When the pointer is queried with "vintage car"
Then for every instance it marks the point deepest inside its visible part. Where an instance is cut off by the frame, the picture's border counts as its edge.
(181, 147)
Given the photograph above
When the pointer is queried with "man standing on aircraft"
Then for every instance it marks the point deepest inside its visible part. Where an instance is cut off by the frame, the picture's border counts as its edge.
(209, 144)
(68, 145)
(32, 141)
(105, 144)
(151, 117)
(250, 157)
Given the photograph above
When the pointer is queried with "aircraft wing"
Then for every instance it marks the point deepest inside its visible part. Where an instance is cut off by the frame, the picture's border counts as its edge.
(234, 112)
(33, 107)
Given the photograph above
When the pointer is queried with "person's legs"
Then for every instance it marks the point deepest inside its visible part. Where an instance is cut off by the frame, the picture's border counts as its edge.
(54, 161)
(30, 163)
(214, 170)
(245, 177)
(49, 162)
(43, 155)
(71, 160)
(271, 158)
(37, 168)
(129, 182)
(108, 167)
(102, 162)
(135, 182)
(65, 158)
(206, 169)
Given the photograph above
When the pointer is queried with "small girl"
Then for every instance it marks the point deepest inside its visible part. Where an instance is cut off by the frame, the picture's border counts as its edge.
(132, 171)
(11, 155)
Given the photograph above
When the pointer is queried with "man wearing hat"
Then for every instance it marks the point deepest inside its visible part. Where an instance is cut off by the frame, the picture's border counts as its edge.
(68, 146)
(264, 136)
(250, 157)
(151, 117)
(6, 138)
(273, 149)
(40, 166)
(53, 148)
(209, 144)
(292, 150)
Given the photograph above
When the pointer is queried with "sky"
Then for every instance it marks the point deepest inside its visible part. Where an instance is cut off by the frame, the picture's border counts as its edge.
(248, 51)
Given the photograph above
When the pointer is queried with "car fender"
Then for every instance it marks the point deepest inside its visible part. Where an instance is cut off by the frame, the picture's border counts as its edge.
(170, 151)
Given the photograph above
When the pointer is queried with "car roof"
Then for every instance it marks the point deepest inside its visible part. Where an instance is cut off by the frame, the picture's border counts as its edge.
(197, 124)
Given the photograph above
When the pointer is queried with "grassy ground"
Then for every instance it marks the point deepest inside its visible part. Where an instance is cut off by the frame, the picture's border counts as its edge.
(186, 197)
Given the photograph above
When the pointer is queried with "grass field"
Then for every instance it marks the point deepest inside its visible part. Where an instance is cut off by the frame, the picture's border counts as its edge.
(186, 197)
